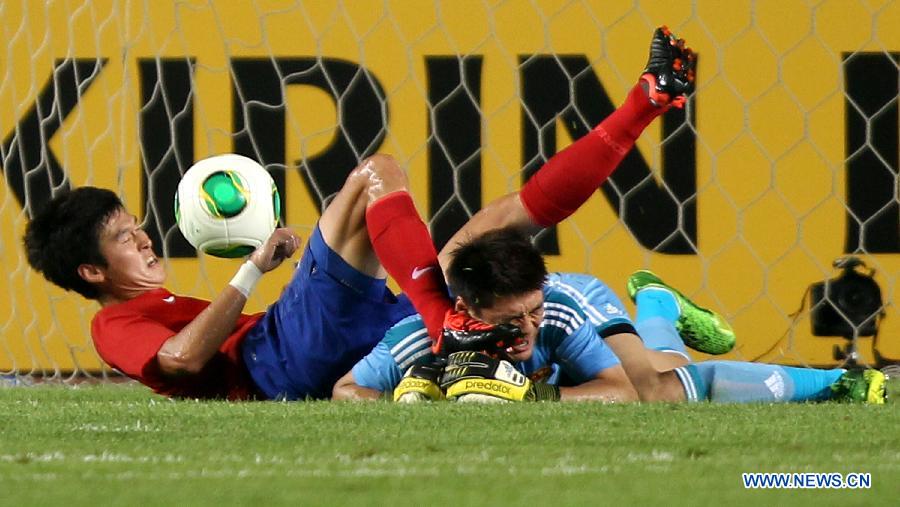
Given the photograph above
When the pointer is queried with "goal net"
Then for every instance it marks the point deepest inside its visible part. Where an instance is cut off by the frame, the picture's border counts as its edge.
(785, 159)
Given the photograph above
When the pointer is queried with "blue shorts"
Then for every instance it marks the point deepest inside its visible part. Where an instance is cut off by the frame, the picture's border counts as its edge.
(328, 317)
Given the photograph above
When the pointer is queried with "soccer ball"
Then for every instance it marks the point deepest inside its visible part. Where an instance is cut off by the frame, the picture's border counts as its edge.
(227, 205)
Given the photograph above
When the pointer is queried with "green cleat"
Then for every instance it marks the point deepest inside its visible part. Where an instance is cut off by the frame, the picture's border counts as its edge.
(860, 386)
(701, 329)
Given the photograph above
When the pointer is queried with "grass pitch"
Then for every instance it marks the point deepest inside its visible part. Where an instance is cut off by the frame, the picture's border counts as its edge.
(120, 445)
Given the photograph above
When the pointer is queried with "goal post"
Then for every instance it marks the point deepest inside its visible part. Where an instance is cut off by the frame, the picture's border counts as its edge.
(785, 159)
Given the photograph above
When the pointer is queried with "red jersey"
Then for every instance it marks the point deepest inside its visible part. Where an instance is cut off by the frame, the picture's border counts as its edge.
(128, 335)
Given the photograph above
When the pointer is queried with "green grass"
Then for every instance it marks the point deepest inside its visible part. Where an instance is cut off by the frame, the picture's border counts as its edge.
(117, 444)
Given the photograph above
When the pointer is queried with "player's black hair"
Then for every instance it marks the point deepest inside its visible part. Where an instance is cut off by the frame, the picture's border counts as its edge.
(497, 264)
(65, 233)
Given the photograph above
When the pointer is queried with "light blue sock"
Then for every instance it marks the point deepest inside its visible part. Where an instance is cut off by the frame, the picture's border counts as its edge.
(657, 311)
(656, 302)
(742, 382)
(659, 333)
(811, 384)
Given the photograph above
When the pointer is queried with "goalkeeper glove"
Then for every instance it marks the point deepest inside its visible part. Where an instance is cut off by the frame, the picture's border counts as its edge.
(474, 376)
(464, 333)
(420, 383)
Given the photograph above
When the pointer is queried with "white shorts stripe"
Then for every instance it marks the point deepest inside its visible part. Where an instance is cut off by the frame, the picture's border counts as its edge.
(690, 390)
(675, 353)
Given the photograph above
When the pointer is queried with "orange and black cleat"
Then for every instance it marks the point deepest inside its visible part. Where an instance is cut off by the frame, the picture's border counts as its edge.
(670, 70)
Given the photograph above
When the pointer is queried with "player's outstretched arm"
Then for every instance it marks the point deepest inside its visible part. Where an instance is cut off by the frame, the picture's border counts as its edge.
(189, 350)
(419, 383)
(506, 211)
(346, 388)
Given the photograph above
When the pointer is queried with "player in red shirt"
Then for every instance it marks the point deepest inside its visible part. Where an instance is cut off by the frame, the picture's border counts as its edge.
(333, 311)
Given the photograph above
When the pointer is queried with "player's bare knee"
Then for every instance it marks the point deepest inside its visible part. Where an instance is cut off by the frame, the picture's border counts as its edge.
(382, 175)
(659, 387)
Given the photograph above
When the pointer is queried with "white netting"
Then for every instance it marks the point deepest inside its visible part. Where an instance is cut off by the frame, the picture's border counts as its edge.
(785, 160)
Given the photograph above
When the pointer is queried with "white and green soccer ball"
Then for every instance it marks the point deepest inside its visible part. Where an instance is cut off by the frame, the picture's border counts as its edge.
(227, 205)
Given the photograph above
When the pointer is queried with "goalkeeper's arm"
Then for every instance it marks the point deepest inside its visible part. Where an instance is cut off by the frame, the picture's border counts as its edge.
(346, 388)
(420, 383)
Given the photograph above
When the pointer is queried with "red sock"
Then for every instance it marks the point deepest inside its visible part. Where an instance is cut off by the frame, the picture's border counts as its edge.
(406, 251)
(571, 176)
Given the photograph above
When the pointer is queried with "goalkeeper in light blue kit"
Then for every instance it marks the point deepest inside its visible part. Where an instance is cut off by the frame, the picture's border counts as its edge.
(515, 333)
(552, 332)
(565, 326)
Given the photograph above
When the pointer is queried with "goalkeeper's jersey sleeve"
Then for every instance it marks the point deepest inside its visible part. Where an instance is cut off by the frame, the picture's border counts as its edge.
(404, 345)
(600, 304)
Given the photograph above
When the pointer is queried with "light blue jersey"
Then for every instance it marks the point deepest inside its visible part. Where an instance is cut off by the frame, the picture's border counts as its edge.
(569, 350)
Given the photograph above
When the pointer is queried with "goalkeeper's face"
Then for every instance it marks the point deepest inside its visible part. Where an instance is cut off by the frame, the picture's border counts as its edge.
(132, 267)
(525, 311)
